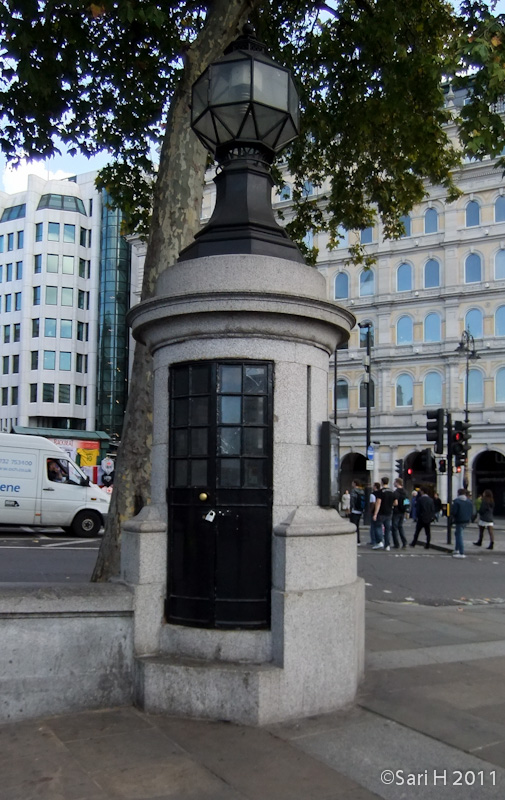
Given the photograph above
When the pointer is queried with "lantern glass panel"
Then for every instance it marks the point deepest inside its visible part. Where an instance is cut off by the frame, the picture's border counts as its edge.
(270, 85)
(230, 82)
(200, 95)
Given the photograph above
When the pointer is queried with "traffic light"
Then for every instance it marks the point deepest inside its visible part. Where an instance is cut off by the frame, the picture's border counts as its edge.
(399, 467)
(460, 443)
(409, 471)
(435, 429)
(442, 466)
(426, 460)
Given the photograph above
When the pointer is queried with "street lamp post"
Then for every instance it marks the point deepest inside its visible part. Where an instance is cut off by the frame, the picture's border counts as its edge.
(467, 346)
(367, 326)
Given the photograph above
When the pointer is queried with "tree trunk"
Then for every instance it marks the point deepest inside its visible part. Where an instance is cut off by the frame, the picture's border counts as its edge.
(175, 220)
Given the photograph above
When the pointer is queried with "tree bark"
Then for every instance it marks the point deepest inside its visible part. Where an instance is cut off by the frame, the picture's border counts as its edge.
(175, 220)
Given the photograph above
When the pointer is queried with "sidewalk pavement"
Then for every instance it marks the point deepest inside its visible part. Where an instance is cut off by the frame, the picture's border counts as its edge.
(429, 722)
(439, 537)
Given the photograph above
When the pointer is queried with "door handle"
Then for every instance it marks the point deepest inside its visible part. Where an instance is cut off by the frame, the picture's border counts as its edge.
(49, 489)
(203, 496)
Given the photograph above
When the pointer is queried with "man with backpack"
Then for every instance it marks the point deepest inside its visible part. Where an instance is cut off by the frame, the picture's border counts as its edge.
(357, 506)
(383, 512)
(461, 513)
(400, 506)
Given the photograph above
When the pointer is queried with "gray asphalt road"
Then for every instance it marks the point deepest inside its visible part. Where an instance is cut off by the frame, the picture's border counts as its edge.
(45, 557)
(432, 578)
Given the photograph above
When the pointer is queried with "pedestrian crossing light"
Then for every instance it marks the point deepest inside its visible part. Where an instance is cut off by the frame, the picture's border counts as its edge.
(460, 443)
(442, 466)
(399, 467)
(435, 429)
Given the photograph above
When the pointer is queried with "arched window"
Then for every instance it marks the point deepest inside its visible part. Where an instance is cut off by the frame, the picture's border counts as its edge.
(499, 209)
(432, 328)
(431, 273)
(342, 395)
(406, 224)
(431, 220)
(404, 390)
(472, 214)
(285, 192)
(308, 189)
(474, 322)
(404, 330)
(363, 394)
(433, 389)
(343, 236)
(363, 336)
(475, 386)
(308, 239)
(499, 321)
(499, 265)
(366, 283)
(473, 268)
(500, 386)
(341, 286)
(366, 236)
(404, 278)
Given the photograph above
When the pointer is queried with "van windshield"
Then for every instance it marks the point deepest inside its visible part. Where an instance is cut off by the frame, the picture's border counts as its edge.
(60, 470)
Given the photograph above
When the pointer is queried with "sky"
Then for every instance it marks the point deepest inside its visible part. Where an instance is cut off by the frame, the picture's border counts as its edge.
(15, 180)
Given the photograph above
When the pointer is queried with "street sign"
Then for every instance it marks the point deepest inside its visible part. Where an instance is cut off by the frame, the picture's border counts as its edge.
(369, 465)
(370, 452)
(107, 465)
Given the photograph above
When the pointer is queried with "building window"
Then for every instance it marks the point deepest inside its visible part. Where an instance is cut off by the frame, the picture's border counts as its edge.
(1, 243)
(35, 327)
(49, 361)
(20, 240)
(80, 331)
(81, 299)
(64, 393)
(14, 395)
(499, 209)
(50, 327)
(62, 202)
(5, 365)
(53, 231)
(431, 220)
(34, 359)
(284, 194)
(432, 328)
(406, 224)
(37, 264)
(48, 392)
(366, 283)
(82, 237)
(52, 262)
(366, 236)
(51, 295)
(431, 274)
(17, 332)
(33, 392)
(475, 386)
(8, 302)
(473, 268)
(19, 270)
(342, 395)
(8, 272)
(7, 334)
(17, 301)
(65, 361)
(499, 321)
(472, 213)
(363, 334)
(15, 364)
(474, 322)
(10, 242)
(341, 286)
(82, 268)
(308, 240)
(499, 265)
(363, 394)
(69, 233)
(500, 386)
(78, 362)
(404, 330)
(308, 189)
(67, 296)
(404, 278)
(433, 389)
(39, 231)
(66, 329)
(343, 236)
(67, 265)
(5, 396)
(13, 212)
(404, 390)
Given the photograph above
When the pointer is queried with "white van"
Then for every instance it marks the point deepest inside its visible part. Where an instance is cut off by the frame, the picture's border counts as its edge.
(41, 485)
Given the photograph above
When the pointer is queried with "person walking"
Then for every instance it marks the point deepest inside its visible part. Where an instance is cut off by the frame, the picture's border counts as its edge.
(461, 513)
(399, 504)
(345, 504)
(376, 535)
(486, 510)
(357, 506)
(425, 510)
(383, 511)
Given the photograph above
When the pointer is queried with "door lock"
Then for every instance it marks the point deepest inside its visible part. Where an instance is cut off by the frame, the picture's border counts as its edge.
(210, 517)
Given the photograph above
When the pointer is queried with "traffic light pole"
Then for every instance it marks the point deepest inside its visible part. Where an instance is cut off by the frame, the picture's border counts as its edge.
(449, 477)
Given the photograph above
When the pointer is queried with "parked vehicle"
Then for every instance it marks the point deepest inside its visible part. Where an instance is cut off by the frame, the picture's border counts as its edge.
(41, 485)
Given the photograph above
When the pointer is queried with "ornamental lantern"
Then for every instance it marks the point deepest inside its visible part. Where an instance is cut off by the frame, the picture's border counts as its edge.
(244, 110)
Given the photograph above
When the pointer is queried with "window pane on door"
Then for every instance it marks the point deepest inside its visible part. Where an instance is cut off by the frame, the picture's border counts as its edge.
(254, 441)
(254, 410)
(228, 441)
(230, 379)
(228, 474)
(230, 409)
(255, 380)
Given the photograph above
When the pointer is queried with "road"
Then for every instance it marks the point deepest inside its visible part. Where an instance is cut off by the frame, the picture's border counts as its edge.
(45, 556)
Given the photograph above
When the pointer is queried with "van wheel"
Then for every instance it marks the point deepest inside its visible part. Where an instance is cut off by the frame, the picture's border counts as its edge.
(86, 523)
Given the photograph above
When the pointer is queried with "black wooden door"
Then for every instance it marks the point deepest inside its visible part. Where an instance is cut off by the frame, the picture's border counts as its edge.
(220, 494)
